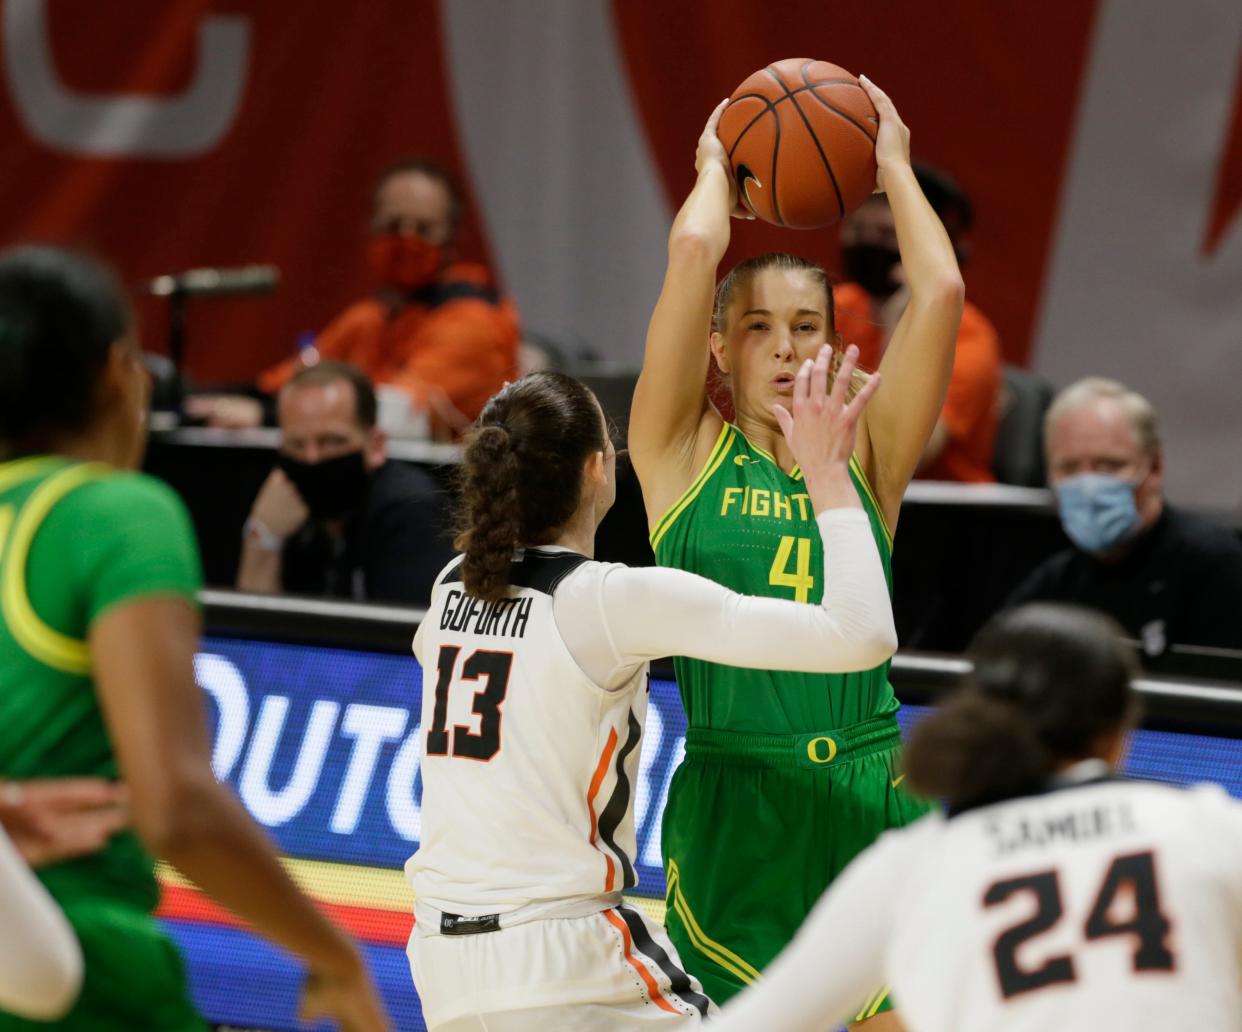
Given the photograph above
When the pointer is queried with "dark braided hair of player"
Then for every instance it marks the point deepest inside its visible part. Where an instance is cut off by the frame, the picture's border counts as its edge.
(1049, 681)
(521, 477)
(60, 313)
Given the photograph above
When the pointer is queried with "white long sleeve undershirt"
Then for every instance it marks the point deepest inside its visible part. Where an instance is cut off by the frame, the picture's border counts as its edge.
(40, 960)
(614, 622)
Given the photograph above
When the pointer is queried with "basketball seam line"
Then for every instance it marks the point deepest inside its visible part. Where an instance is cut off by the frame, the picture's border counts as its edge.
(822, 156)
(794, 92)
(840, 112)
(776, 147)
(770, 105)
(776, 150)
(818, 146)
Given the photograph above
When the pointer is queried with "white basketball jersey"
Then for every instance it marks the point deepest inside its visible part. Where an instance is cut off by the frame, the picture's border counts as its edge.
(1106, 905)
(528, 767)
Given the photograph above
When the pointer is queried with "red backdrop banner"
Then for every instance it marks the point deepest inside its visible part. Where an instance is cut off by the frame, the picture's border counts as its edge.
(222, 132)
(332, 92)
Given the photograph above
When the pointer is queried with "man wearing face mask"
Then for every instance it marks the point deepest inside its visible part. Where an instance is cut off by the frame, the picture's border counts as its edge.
(873, 298)
(337, 517)
(436, 328)
(1167, 576)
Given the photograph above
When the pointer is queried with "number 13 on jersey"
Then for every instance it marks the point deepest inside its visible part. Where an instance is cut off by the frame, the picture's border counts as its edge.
(491, 667)
(800, 578)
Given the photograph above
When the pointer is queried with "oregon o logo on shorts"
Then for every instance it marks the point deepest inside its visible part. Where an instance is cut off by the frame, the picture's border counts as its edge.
(816, 753)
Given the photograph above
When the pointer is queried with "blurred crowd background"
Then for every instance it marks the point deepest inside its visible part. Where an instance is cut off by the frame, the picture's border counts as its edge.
(447, 194)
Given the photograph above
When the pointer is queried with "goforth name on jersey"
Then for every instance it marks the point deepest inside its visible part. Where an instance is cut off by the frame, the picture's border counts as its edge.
(506, 618)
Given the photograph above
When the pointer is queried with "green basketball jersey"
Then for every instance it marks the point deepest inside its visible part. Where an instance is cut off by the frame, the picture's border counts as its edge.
(749, 525)
(76, 539)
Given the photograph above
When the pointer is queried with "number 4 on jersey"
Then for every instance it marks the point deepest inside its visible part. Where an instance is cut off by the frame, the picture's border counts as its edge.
(1130, 878)
(800, 580)
(494, 667)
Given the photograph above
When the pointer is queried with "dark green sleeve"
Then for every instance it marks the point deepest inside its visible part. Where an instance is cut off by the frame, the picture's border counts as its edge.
(141, 543)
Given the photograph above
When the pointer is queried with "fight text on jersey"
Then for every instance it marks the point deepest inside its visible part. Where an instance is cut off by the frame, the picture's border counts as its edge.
(761, 501)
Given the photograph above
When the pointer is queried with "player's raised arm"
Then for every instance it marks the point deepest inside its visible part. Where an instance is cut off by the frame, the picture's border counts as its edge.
(142, 653)
(919, 358)
(670, 399)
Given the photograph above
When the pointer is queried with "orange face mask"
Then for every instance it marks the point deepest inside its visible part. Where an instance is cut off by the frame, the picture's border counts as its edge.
(404, 260)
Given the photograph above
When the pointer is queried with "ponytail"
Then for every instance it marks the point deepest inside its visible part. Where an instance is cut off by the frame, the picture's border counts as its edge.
(490, 513)
(521, 476)
(974, 751)
(1049, 683)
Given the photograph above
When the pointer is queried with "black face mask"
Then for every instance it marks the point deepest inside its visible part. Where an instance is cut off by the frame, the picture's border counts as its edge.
(871, 267)
(330, 488)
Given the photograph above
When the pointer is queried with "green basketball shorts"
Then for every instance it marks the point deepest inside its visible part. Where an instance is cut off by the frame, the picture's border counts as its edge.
(758, 826)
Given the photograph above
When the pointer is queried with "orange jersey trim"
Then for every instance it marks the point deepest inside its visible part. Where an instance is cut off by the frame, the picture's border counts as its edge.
(598, 779)
(652, 989)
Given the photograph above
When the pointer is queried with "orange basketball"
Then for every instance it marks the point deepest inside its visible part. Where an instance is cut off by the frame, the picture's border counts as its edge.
(801, 137)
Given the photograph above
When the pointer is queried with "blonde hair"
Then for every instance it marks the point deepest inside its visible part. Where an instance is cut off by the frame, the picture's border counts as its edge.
(745, 271)
(1093, 388)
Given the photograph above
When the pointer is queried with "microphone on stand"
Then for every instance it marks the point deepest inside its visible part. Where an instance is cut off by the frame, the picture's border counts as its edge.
(204, 282)
(214, 282)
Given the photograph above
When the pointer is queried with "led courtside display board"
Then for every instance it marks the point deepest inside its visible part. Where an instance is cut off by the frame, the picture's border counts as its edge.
(321, 745)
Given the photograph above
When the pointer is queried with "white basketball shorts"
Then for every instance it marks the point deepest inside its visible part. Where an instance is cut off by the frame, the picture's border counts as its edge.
(607, 972)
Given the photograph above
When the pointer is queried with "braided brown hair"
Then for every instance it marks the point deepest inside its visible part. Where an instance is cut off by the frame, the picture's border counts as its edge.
(521, 477)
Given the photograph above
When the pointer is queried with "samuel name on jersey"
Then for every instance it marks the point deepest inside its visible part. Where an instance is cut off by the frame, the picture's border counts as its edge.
(1011, 833)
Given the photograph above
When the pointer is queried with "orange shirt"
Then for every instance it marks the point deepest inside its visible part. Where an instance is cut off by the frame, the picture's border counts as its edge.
(457, 342)
(971, 407)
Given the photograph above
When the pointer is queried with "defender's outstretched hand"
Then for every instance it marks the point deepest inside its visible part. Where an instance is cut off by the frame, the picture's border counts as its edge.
(822, 427)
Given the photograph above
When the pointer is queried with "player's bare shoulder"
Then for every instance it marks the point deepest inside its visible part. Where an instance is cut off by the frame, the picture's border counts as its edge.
(666, 477)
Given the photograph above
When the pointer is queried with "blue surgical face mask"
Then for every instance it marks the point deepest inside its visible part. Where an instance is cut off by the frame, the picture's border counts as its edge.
(1097, 510)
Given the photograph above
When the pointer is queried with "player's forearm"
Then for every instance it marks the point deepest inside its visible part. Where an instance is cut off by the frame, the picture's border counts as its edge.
(701, 229)
(830, 487)
(927, 257)
(852, 627)
(42, 970)
(657, 612)
(856, 601)
(213, 842)
(260, 570)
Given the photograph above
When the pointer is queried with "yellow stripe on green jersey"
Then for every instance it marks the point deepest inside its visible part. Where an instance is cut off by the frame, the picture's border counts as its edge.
(47, 645)
(709, 467)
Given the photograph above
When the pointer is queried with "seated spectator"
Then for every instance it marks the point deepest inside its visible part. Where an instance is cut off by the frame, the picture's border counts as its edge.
(435, 327)
(1166, 576)
(871, 301)
(337, 517)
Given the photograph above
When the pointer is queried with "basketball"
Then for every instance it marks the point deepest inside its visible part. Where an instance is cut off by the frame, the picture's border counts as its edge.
(800, 135)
